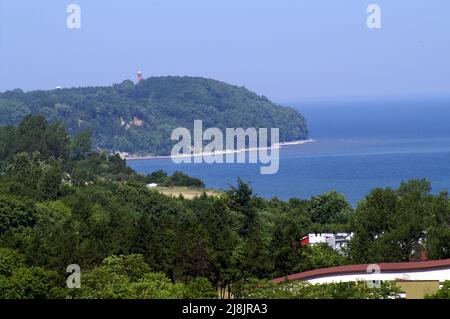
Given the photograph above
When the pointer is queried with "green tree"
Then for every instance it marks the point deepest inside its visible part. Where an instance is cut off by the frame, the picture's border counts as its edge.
(319, 256)
(289, 226)
(32, 177)
(35, 134)
(124, 277)
(15, 213)
(442, 293)
(330, 208)
(9, 261)
(305, 290)
(199, 288)
(438, 233)
(222, 239)
(389, 227)
(419, 186)
(55, 239)
(28, 283)
(81, 145)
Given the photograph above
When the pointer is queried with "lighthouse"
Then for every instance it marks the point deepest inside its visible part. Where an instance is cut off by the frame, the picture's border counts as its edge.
(139, 77)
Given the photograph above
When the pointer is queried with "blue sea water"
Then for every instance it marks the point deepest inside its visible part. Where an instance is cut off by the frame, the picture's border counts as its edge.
(359, 145)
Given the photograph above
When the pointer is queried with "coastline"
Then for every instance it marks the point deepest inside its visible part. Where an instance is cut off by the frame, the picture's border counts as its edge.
(153, 157)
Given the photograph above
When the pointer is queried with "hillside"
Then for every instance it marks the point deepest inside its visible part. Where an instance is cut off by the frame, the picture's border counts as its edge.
(140, 118)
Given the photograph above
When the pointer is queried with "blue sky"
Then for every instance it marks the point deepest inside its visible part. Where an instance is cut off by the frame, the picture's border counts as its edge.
(288, 50)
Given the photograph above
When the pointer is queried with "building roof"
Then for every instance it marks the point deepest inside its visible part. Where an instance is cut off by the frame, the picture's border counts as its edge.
(362, 269)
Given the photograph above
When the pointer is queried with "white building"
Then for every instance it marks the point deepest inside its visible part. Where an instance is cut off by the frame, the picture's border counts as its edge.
(415, 279)
(336, 241)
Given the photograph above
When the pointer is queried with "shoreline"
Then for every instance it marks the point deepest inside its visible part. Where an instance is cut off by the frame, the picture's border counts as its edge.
(154, 157)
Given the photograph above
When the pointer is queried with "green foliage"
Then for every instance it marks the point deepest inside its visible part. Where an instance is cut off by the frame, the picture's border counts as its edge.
(199, 288)
(438, 231)
(418, 186)
(28, 283)
(62, 203)
(287, 230)
(15, 213)
(9, 261)
(29, 176)
(54, 240)
(442, 293)
(319, 256)
(390, 225)
(177, 179)
(304, 290)
(132, 266)
(129, 277)
(330, 208)
(253, 249)
(35, 134)
(81, 145)
(140, 118)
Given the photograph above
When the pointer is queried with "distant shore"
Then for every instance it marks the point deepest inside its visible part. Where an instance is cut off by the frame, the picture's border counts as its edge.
(131, 157)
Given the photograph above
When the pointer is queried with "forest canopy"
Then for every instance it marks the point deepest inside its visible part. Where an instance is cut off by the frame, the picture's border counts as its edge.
(139, 118)
(62, 204)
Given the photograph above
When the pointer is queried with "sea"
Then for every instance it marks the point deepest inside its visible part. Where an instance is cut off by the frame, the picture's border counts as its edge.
(359, 145)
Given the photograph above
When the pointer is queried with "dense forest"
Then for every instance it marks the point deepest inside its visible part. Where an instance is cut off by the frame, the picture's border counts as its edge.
(62, 203)
(139, 118)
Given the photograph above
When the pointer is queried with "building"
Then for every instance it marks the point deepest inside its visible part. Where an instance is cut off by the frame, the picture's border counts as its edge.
(139, 77)
(335, 241)
(415, 279)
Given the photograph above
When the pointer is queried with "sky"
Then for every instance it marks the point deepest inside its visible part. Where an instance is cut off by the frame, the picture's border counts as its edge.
(287, 50)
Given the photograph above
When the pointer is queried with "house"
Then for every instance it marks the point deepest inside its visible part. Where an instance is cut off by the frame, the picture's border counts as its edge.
(336, 241)
(415, 279)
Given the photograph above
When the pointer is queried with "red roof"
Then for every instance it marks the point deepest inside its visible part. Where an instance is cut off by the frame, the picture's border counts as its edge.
(304, 241)
(362, 269)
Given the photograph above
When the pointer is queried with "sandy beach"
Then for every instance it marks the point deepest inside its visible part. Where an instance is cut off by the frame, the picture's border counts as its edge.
(278, 145)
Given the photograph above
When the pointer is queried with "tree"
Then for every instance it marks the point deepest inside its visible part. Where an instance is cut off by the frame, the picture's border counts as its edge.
(255, 240)
(133, 266)
(419, 186)
(288, 228)
(35, 134)
(199, 288)
(124, 277)
(81, 145)
(15, 213)
(319, 256)
(240, 200)
(55, 239)
(438, 232)
(305, 290)
(113, 278)
(257, 262)
(442, 293)
(36, 178)
(51, 178)
(330, 208)
(28, 283)
(139, 119)
(389, 227)
(156, 286)
(9, 261)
